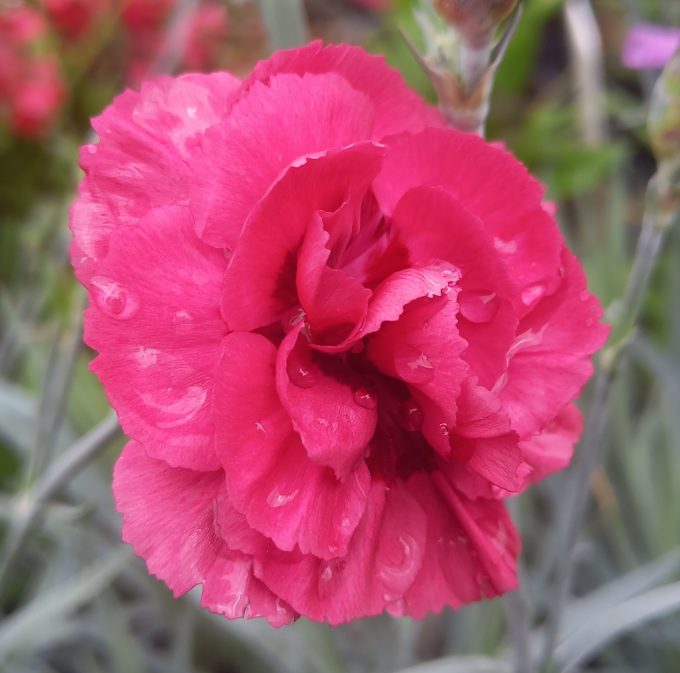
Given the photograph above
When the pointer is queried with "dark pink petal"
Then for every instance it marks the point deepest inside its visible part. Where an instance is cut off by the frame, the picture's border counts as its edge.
(470, 551)
(551, 449)
(423, 349)
(260, 283)
(140, 161)
(549, 361)
(154, 319)
(487, 320)
(332, 413)
(168, 518)
(267, 130)
(492, 186)
(270, 478)
(390, 298)
(381, 563)
(397, 108)
(334, 303)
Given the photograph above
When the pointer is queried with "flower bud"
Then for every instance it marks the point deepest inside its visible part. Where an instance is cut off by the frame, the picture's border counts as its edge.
(664, 116)
(475, 20)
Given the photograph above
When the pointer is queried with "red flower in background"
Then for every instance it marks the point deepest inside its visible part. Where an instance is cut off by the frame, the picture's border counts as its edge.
(31, 87)
(337, 334)
(74, 18)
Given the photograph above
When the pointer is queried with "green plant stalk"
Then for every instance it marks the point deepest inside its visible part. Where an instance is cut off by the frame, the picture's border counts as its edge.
(29, 504)
(462, 71)
(285, 23)
(663, 210)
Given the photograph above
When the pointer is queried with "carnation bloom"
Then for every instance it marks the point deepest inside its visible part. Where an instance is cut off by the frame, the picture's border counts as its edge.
(337, 334)
(648, 46)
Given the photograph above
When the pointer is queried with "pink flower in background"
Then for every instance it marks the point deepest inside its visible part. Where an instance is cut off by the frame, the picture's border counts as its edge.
(74, 18)
(648, 46)
(207, 34)
(145, 22)
(31, 87)
(20, 25)
(337, 334)
(37, 99)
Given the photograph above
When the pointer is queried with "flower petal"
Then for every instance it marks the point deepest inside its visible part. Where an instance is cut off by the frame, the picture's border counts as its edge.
(471, 548)
(550, 359)
(260, 283)
(383, 559)
(240, 150)
(270, 478)
(158, 335)
(168, 518)
(333, 415)
(140, 161)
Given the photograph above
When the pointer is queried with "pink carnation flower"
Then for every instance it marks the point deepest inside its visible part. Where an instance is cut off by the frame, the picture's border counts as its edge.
(648, 46)
(337, 334)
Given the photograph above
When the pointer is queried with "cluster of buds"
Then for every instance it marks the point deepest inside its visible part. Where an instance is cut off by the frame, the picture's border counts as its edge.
(465, 42)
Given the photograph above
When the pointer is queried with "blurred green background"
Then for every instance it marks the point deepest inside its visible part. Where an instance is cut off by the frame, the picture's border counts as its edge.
(77, 601)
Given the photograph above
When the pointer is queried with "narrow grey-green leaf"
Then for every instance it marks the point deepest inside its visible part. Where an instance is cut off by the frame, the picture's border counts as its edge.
(616, 621)
(461, 665)
(23, 628)
(285, 23)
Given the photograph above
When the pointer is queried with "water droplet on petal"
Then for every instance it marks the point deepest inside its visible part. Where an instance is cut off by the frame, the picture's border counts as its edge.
(277, 499)
(413, 365)
(191, 111)
(393, 573)
(444, 429)
(92, 149)
(532, 294)
(302, 376)
(175, 411)
(365, 398)
(397, 608)
(410, 416)
(526, 340)
(259, 426)
(478, 305)
(358, 347)
(327, 573)
(113, 298)
(505, 247)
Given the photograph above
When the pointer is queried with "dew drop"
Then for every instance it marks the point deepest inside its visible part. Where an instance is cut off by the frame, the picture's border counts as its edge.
(397, 608)
(301, 375)
(532, 294)
(92, 149)
(113, 298)
(277, 499)
(365, 398)
(444, 429)
(506, 247)
(259, 426)
(478, 306)
(410, 416)
(191, 111)
(327, 574)
(358, 347)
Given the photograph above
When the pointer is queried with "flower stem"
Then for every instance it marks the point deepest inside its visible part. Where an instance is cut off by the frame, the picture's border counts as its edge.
(656, 222)
(30, 503)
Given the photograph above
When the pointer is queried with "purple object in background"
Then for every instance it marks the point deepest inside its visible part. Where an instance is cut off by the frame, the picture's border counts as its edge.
(648, 46)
